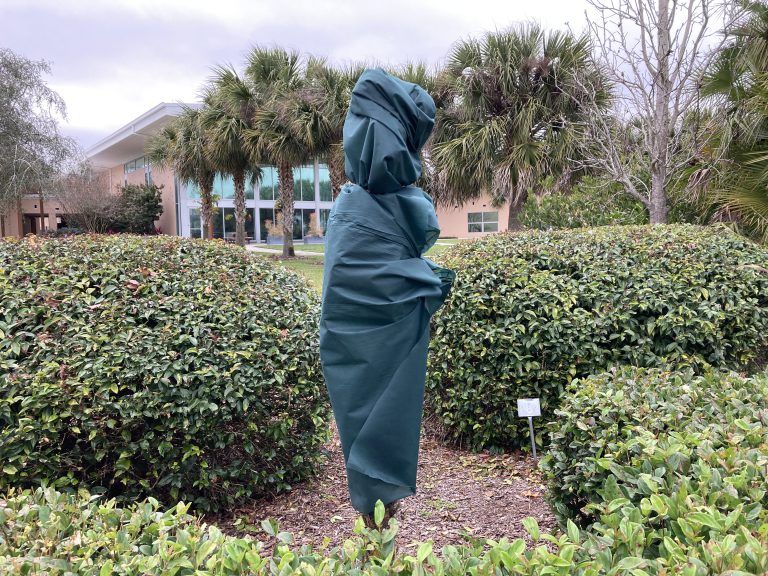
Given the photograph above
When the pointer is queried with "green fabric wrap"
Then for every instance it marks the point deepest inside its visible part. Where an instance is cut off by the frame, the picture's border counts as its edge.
(378, 291)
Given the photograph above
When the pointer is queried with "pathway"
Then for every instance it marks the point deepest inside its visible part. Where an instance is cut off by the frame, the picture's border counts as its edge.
(260, 250)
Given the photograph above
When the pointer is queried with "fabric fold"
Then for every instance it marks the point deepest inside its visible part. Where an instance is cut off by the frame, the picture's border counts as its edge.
(379, 293)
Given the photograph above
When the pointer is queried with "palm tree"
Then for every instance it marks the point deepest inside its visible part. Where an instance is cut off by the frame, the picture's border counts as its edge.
(181, 145)
(277, 78)
(230, 104)
(327, 97)
(508, 116)
(418, 73)
(738, 82)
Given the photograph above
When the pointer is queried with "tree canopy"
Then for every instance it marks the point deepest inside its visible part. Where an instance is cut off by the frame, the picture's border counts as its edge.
(509, 110)
(32, 150)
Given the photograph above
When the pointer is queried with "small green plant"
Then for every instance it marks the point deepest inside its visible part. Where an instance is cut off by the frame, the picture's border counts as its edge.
(440, 504)
(662, 441)
(44, 531)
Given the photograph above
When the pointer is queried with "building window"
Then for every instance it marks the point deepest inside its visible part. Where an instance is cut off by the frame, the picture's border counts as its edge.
(193, 191)
(137, 164)
(325, 184)
(228, 226)
(264, 215)
(302, 220)
(304, 183)
(195, 223)
(324, 213)
(224, 188)
(483, 222)
(268, 184)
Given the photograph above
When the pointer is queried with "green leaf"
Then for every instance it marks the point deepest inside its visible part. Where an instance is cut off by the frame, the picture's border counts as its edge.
(425, 549)
(378, 513)
(269, 525)
(574, 534)
(532, 527)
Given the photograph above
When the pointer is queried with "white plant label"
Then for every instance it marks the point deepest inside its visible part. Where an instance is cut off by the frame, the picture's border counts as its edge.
(528, 407)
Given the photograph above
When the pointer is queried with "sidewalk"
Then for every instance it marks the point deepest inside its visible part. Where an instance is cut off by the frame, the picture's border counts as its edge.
(260, 250)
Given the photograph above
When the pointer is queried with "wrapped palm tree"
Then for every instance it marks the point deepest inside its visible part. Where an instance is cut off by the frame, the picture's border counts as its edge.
(181, 145)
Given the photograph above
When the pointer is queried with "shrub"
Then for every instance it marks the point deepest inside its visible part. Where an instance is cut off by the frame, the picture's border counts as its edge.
(532, 311)
(48, 532)
(63, 231)
(136, 208)
(156, 366)
(591, 203)
(660, 440)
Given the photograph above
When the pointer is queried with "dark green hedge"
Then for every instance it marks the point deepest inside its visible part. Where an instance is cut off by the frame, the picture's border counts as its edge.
(592, 202)
(627, 432)
(156, 366)
(532, 311)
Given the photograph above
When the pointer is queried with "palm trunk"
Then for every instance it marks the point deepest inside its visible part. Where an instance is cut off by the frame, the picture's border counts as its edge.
(239, 178)
(41, 201)
(285, 174)
(206, 209)
(659, 208)
(515, 206)
(336, 169)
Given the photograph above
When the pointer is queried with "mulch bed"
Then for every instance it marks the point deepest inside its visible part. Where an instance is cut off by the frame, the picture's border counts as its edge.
(458, 493)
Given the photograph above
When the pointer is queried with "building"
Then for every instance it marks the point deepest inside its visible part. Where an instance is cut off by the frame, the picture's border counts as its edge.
(121, 156)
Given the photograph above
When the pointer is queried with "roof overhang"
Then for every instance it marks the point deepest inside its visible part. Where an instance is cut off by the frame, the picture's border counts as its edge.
(128, 142)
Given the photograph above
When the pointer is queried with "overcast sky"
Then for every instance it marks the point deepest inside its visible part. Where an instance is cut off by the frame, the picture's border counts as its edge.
(114, 60)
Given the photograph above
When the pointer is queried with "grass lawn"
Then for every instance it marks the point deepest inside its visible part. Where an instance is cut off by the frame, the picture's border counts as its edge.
(441, 246)
(310, 267)
(319, 248)
(438, 249)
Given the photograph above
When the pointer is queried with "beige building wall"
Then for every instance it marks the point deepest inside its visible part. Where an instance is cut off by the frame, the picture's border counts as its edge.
(167, 222)
(454, 221)
(29, 209)
(30, 206)
(11, 224)
(116, 177)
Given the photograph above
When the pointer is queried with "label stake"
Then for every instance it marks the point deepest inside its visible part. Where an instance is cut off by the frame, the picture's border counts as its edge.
(529, 408)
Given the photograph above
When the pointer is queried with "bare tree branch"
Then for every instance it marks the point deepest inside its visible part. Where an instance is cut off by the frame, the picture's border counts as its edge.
(654, 52)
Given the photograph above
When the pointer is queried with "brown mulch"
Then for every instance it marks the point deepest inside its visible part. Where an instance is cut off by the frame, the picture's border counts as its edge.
(458, 492)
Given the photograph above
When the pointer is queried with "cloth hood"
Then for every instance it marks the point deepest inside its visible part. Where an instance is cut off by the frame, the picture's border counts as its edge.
(388, 122)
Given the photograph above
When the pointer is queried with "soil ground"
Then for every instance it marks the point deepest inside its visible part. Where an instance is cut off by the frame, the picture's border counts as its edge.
(459, 493)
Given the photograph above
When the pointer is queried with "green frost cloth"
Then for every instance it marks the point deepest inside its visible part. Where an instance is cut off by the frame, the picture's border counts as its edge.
(378, 291)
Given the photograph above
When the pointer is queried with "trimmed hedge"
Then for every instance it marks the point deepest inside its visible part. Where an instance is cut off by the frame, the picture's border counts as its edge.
(591, 203)
(63, 535)
(639, 434)
(157, 366)
(532, 311)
